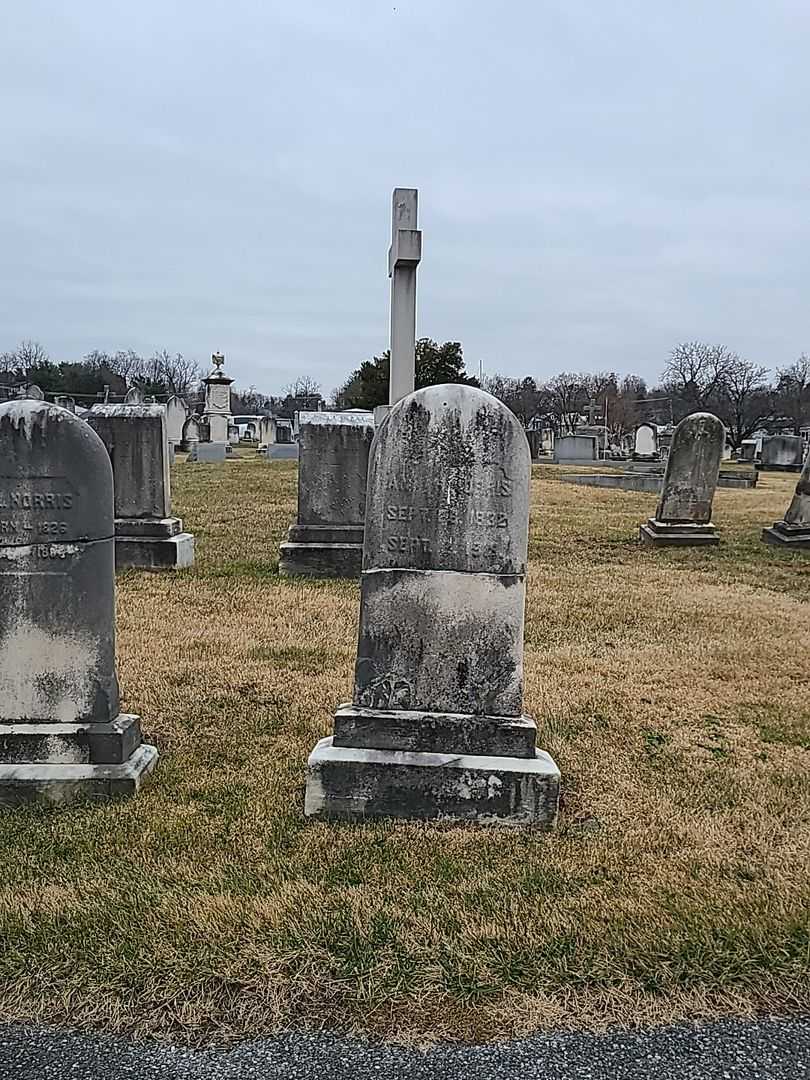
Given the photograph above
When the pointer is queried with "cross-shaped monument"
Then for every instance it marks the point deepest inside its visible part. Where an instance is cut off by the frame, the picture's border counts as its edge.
(403, 259)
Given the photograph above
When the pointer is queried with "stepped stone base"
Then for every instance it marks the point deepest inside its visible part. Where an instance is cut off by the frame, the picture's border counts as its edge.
(786, 535)
(322, 551)
(57, 763)
(152, 544)
(677, 534)
(355, 784)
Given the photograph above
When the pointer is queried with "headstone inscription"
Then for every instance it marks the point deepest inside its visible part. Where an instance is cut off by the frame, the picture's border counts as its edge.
(793, 531)
(783, 453)
(645, 445)
(684, 514)
(436, 728)
(146, 533)
(62, 736)
(327, 538)
(404, 256)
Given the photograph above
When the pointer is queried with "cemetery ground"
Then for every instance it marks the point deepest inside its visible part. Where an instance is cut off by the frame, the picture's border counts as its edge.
(671, 687)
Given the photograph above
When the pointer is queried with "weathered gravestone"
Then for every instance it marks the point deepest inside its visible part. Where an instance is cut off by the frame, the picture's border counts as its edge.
(146, 534)
(327, 538)
(65, 401)
(176, 413)
(575, 449)
(436, 728)
(783, 453)
(267, 431)
(645, 445)
(207, 452)
(191, 432)
(133, 396)
(793, 531)
(217, 400)
(684, 514)
(31, 391)
(61, 734)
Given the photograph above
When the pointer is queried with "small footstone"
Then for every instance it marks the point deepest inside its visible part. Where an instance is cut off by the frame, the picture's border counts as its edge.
(146, 534)
(327, 539)
(436, 728)
(793, 531)
(61, 734)
(684, 514)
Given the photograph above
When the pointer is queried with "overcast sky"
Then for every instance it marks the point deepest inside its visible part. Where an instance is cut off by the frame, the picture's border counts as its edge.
(598, 179)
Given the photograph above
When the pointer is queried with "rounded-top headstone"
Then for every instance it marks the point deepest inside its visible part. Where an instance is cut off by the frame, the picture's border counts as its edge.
(693, 467)
(57, 569)
(448, 485)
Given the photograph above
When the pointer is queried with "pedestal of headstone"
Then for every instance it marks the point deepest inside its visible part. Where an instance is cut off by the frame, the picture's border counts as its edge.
(327, 538)
(684, 514)
(147, 535)
(793, 531)
(436, 728)
(782, 453)
(62, 736)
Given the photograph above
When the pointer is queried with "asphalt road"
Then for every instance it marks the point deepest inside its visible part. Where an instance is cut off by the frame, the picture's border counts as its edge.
(730, 1050)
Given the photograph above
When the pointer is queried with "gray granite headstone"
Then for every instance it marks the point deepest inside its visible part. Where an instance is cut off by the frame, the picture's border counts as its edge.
(436, 727)
(176, 413)
(783, 453)
(793, 531)
(684, 514)
(147, 535)
(327, 538)
(61, 734)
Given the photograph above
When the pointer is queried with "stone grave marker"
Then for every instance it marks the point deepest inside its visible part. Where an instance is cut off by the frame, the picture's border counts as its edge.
(146, 533)
(684, 514)
(793, 531)
(191, 432)
(327, 538)
(65, 401)
(176, 413)
(404, 256)
(783, 453)
(62, 736)
(645, 446)
(133, 396)
(217, 401)
(436, 728)
(32, 392)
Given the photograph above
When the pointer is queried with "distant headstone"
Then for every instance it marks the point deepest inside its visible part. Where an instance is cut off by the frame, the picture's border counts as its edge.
(783, 453)
(436, 728)
(176, 414)
(793, 531)
(207, 452)
(267, 431)
(133, 396)
(575, 449)
(684, 514)
(64, 401)
(191, 432)
(645, 446)
(32, 392)
(146, 533)
(62, 736)
(748, 450)
(233, 434)
(327, 538)
(217, 401)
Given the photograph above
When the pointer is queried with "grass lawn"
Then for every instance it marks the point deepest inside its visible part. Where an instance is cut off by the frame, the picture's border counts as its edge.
(671, 687)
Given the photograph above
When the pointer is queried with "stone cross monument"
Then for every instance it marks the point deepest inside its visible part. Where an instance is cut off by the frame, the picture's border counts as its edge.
(403, 258)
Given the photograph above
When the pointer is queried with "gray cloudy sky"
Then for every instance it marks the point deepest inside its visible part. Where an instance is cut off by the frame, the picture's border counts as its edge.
(598, 178)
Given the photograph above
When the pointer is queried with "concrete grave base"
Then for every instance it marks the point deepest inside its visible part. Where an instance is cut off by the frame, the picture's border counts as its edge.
(783, 534)
(152, 544)
(677, 534)
(353, 784)
(206, 452)
(324, 551)
(60, 784)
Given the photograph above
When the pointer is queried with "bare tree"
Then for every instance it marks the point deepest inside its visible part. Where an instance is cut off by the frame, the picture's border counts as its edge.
(27, 355)
(695, 372)
(181, 375)
(562, 401)
(744, 400)
(792, 394)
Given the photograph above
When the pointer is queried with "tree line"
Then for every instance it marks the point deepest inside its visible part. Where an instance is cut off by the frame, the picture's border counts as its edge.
(696, 377)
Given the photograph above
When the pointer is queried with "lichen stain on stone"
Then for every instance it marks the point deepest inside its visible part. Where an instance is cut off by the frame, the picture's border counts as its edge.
(47, 676)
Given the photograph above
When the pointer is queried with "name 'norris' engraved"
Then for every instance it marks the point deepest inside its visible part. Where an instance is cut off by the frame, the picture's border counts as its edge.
(36, 500)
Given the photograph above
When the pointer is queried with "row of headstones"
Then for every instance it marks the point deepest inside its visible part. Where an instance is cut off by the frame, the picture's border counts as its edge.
(435, 729)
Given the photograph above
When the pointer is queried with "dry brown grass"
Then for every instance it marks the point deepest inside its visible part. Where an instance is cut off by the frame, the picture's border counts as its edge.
(671, 687)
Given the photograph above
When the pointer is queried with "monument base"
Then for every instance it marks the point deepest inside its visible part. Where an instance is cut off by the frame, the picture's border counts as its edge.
(678, 534)
(57, 763)
(352, 784)
(323, 551)
(152, 544)
(785, 535)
